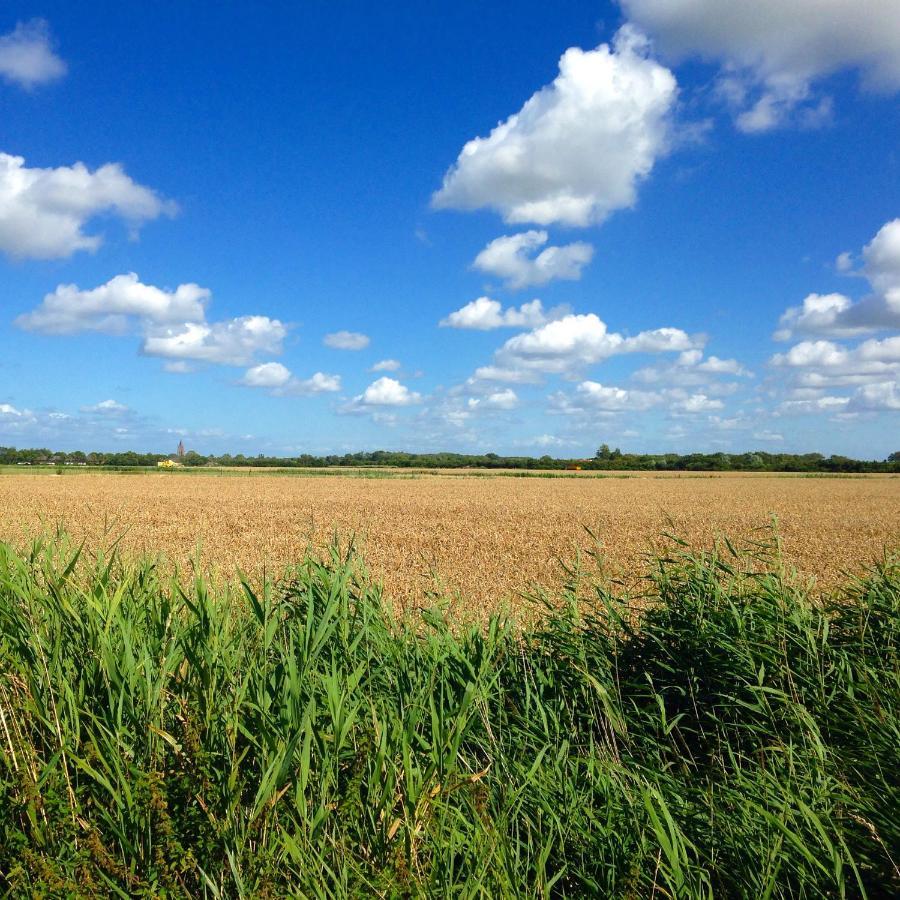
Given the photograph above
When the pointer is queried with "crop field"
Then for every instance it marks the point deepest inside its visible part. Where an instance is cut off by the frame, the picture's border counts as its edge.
(481, 537)
(718, 728)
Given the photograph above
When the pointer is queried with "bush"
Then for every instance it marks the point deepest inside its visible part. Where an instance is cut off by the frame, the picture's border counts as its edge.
(723, 735)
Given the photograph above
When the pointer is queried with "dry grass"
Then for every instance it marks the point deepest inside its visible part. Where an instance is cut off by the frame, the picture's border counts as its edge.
(489, 538)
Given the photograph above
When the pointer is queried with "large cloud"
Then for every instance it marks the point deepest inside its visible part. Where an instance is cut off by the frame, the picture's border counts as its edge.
(234, 342)
(592, 396)
(43, 211)
(509, 257)
(821, 364)
(816, 369)
(836, 315)
(576, 150)
(773, 51)
(172, 323)
(113, 306)
(27, 57)
(575, 342)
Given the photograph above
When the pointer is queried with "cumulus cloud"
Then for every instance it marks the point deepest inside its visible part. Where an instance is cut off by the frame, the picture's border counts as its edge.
(386, 365)
(382, 394)
(773, 51)
(485, 314)
(278, 380)
(817, 368)
(113, 307)
(8, 411)
(502, 399)
(836, 315)
(574, 342)
(172, 323)
(346, 340)
(510, 257)
(43, 211)
(578, 148)
(827, 364)
(691, 368)
(27, 57)
(593, 396)
(233, 342)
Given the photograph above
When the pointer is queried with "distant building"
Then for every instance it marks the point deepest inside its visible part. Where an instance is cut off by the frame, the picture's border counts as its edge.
(180, 453)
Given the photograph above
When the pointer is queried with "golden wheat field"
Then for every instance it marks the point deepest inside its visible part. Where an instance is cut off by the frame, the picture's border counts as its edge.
(484, 539)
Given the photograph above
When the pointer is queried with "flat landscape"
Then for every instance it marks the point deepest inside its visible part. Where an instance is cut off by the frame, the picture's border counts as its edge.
(484, 538)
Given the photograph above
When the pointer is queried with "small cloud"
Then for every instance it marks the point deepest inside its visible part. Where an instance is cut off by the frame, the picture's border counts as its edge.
(386, 365)
(384, 392)
(27, 57)
(503, 399)
(844, 261)
(485, 314)
(346, 340)
(509, 257)
(106, 408)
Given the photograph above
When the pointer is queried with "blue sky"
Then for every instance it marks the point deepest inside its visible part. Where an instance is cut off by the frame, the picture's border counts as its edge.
(526, 228)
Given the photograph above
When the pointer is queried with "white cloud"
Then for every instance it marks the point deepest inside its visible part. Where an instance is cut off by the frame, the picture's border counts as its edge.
(8, 411)
(113, 307)
(872, 368)
(386, 365)
(690, 368)
(577, 149)
(766, 435)
(27, 57)
(43, 211)
(346, 340)
(821, 364)
(773, 51)
(381, 393)
(509, 257)
(279, 381)
(485, 314)
(884, 395)
(696, 403)
(106, 408)
(593, 395)
(546, 441)
(267, 375)
(503, 399)
(511, 376)
(576, 341)
(173, 323)
(232, 342)
(824, 404)
(835, 315)
(844, 261)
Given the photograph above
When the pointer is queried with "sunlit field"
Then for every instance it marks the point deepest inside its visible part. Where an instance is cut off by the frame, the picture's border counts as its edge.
(480, 539)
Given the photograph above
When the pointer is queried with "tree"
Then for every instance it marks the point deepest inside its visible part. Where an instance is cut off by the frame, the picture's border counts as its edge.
(894, 457)
(603, 452)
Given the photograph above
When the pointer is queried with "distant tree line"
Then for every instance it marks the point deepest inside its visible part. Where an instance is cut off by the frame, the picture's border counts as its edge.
(604, 459)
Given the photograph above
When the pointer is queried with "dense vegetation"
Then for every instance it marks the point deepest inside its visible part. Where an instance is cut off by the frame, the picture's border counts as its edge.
(731, 739)
(604, 459)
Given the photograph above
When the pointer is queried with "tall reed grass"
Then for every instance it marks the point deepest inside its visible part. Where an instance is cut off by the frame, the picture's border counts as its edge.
(728, 738)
